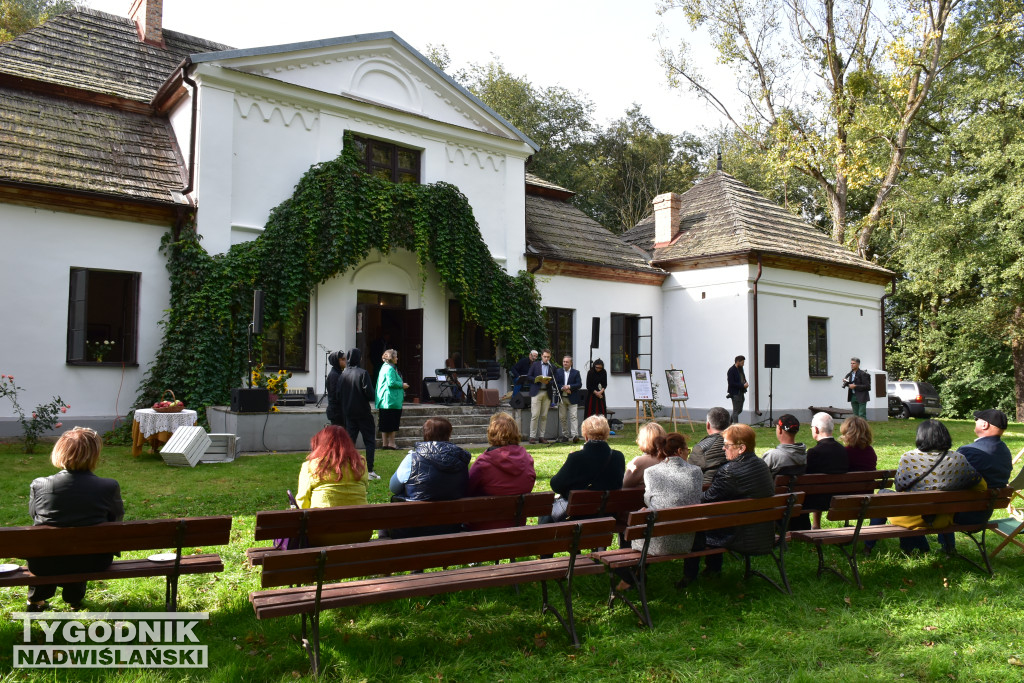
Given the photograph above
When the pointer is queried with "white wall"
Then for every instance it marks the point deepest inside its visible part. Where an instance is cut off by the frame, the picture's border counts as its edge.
(600, 298)
(34, 308)
(711, 321)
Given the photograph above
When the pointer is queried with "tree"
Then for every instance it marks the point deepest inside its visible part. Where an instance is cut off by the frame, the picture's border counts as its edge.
(631, 163)
(831, 89)
(18, 16)
(958, 315)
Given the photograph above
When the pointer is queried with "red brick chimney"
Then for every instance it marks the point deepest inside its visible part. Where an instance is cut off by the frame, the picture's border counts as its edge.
(667, 208)
(148, 16)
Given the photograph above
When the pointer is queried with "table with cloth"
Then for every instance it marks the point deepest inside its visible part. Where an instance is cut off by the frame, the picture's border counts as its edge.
(156, 428)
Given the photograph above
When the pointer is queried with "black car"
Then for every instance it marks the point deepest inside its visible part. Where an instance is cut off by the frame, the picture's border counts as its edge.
(915, 399)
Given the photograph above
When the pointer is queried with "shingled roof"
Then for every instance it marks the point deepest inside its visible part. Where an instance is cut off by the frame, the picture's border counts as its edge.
(98, 52)
(720, 216)
(555, 229)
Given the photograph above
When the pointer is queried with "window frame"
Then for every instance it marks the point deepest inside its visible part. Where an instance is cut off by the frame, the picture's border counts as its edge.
(394, 170)
(562, 318)
(625, 333)
(76, 348)
(817, 346)
(280, 363)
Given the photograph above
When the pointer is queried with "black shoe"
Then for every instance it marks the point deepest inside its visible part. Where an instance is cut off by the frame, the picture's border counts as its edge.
(542, 440)
(36, 607)
(575, 439)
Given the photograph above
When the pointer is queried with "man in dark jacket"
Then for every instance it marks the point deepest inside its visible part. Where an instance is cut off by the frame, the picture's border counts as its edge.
(708, 454)
(336, 359)
(744, 475)
(737, 381)
(355, 396)
(858, 388)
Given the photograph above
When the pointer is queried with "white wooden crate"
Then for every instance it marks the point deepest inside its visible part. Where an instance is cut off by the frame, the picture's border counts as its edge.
(185, 447)
(222, 448)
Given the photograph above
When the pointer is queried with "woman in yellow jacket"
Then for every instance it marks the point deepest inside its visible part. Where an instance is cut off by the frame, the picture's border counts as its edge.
(333, 474)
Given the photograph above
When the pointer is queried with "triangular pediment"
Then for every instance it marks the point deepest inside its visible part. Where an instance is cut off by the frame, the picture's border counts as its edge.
(379, 68)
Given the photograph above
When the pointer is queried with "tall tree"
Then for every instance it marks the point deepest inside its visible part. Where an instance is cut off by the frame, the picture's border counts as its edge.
(631, 163)
(18, 16)
(959, 234)
(830, 87)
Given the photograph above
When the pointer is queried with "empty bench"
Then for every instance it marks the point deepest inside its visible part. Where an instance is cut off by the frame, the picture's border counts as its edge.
(702, 517)
(313, 522)
(321, 566)
(114, 537)
(861, 509)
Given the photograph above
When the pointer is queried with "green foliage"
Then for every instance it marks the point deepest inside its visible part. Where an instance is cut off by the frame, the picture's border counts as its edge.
(45, 417)
(335, 217)
(18, 16)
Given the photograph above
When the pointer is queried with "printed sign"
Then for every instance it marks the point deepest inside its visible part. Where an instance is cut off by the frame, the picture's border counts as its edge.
(676, 385)
(642, 389)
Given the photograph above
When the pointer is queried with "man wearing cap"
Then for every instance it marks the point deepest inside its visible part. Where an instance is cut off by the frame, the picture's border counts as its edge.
(990, 457)
(790, 457)
(858, 388)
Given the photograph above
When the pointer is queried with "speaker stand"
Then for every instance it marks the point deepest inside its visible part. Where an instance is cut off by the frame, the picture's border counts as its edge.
(770, 421)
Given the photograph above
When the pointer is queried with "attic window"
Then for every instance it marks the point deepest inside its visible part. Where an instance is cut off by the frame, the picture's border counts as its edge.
(388, 160)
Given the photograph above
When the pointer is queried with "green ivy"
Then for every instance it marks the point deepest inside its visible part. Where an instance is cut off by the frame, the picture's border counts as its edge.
(337, 215)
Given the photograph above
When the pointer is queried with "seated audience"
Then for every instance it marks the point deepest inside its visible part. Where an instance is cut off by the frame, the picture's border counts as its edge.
(333, 474)
(857, 438)
(827, 457)
(989, 456)
(790, 457)
(75, 496)
(744, 475)
(435, 469)
(931, 467)
(504, 469)
(707, 454)
(645, 439)
(596, 466)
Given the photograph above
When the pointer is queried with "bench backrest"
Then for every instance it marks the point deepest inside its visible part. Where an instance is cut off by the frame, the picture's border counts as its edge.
(617, 503)
(867, 481)
(709, 516)
(852, 508)
(367, 559)
(111, 537)
(515, 510)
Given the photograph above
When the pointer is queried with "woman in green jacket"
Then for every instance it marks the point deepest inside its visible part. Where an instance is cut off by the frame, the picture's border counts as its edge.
(390, 394)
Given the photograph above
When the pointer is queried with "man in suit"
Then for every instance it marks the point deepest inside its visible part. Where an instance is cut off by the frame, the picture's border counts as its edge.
(737, 387)
(569, 383)
(540, 395)
(858, 388)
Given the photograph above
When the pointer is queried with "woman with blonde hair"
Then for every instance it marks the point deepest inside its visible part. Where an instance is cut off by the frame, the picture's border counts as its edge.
(333, 474)
(857, 438)
(504, 469)
(390, 396)
(646, 437)
(72, 497)
(597, 467)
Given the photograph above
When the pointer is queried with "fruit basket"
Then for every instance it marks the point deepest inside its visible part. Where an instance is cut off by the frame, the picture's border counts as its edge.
(165, 406)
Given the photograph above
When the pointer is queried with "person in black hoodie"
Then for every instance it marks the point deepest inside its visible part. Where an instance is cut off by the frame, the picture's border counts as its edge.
(355, 396)
(336, 360)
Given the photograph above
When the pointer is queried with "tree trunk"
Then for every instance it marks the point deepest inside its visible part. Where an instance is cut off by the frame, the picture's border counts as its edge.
(1017, 350)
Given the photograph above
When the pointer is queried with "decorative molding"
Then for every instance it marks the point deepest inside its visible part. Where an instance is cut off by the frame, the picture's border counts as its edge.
(476, 156)
(266, 106)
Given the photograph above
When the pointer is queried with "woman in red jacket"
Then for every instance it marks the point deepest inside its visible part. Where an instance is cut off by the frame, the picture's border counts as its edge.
(504, 469)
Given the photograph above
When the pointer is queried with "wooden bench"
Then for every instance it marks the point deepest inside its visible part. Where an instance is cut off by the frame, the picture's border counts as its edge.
(318, 566)
(649, 524)
(115, 537)
(861, 509)
(303, 524)
(836, 413)
(619, 503)
(815, 485)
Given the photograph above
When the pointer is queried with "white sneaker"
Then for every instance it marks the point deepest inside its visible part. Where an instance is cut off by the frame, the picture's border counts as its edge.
(374, 476)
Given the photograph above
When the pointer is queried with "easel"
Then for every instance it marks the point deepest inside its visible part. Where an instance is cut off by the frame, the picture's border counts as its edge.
(678, 416)
(645, 411)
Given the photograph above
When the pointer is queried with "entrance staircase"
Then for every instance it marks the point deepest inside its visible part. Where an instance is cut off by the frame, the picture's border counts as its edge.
(469, 423)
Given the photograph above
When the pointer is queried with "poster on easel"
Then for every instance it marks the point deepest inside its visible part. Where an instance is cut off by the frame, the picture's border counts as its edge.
(676, 385)
(642, 389)
(678, 394)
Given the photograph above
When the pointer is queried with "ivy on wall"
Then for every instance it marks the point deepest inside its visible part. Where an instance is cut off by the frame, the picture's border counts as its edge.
(337, 215)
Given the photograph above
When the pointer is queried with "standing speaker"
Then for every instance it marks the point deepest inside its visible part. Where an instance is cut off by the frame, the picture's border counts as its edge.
(250, 400)
(771, 355)
(595, 332)
(257, 311)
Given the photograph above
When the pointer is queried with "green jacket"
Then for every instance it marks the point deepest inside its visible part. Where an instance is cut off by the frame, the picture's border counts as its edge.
(389, 388)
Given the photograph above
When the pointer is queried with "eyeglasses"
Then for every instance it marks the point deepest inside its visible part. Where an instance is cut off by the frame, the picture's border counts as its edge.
(732, 445)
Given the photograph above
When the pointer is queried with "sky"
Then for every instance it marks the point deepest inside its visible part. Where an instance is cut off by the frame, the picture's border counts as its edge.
(603, 48)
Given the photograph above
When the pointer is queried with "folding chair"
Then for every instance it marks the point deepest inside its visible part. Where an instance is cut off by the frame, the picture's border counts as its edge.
(1011, 526)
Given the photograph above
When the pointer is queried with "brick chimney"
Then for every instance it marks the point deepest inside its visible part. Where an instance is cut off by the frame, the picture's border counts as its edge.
(148, 16)
(667, 208)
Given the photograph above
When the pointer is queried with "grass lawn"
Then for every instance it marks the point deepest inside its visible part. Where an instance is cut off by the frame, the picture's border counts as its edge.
(923, 618)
